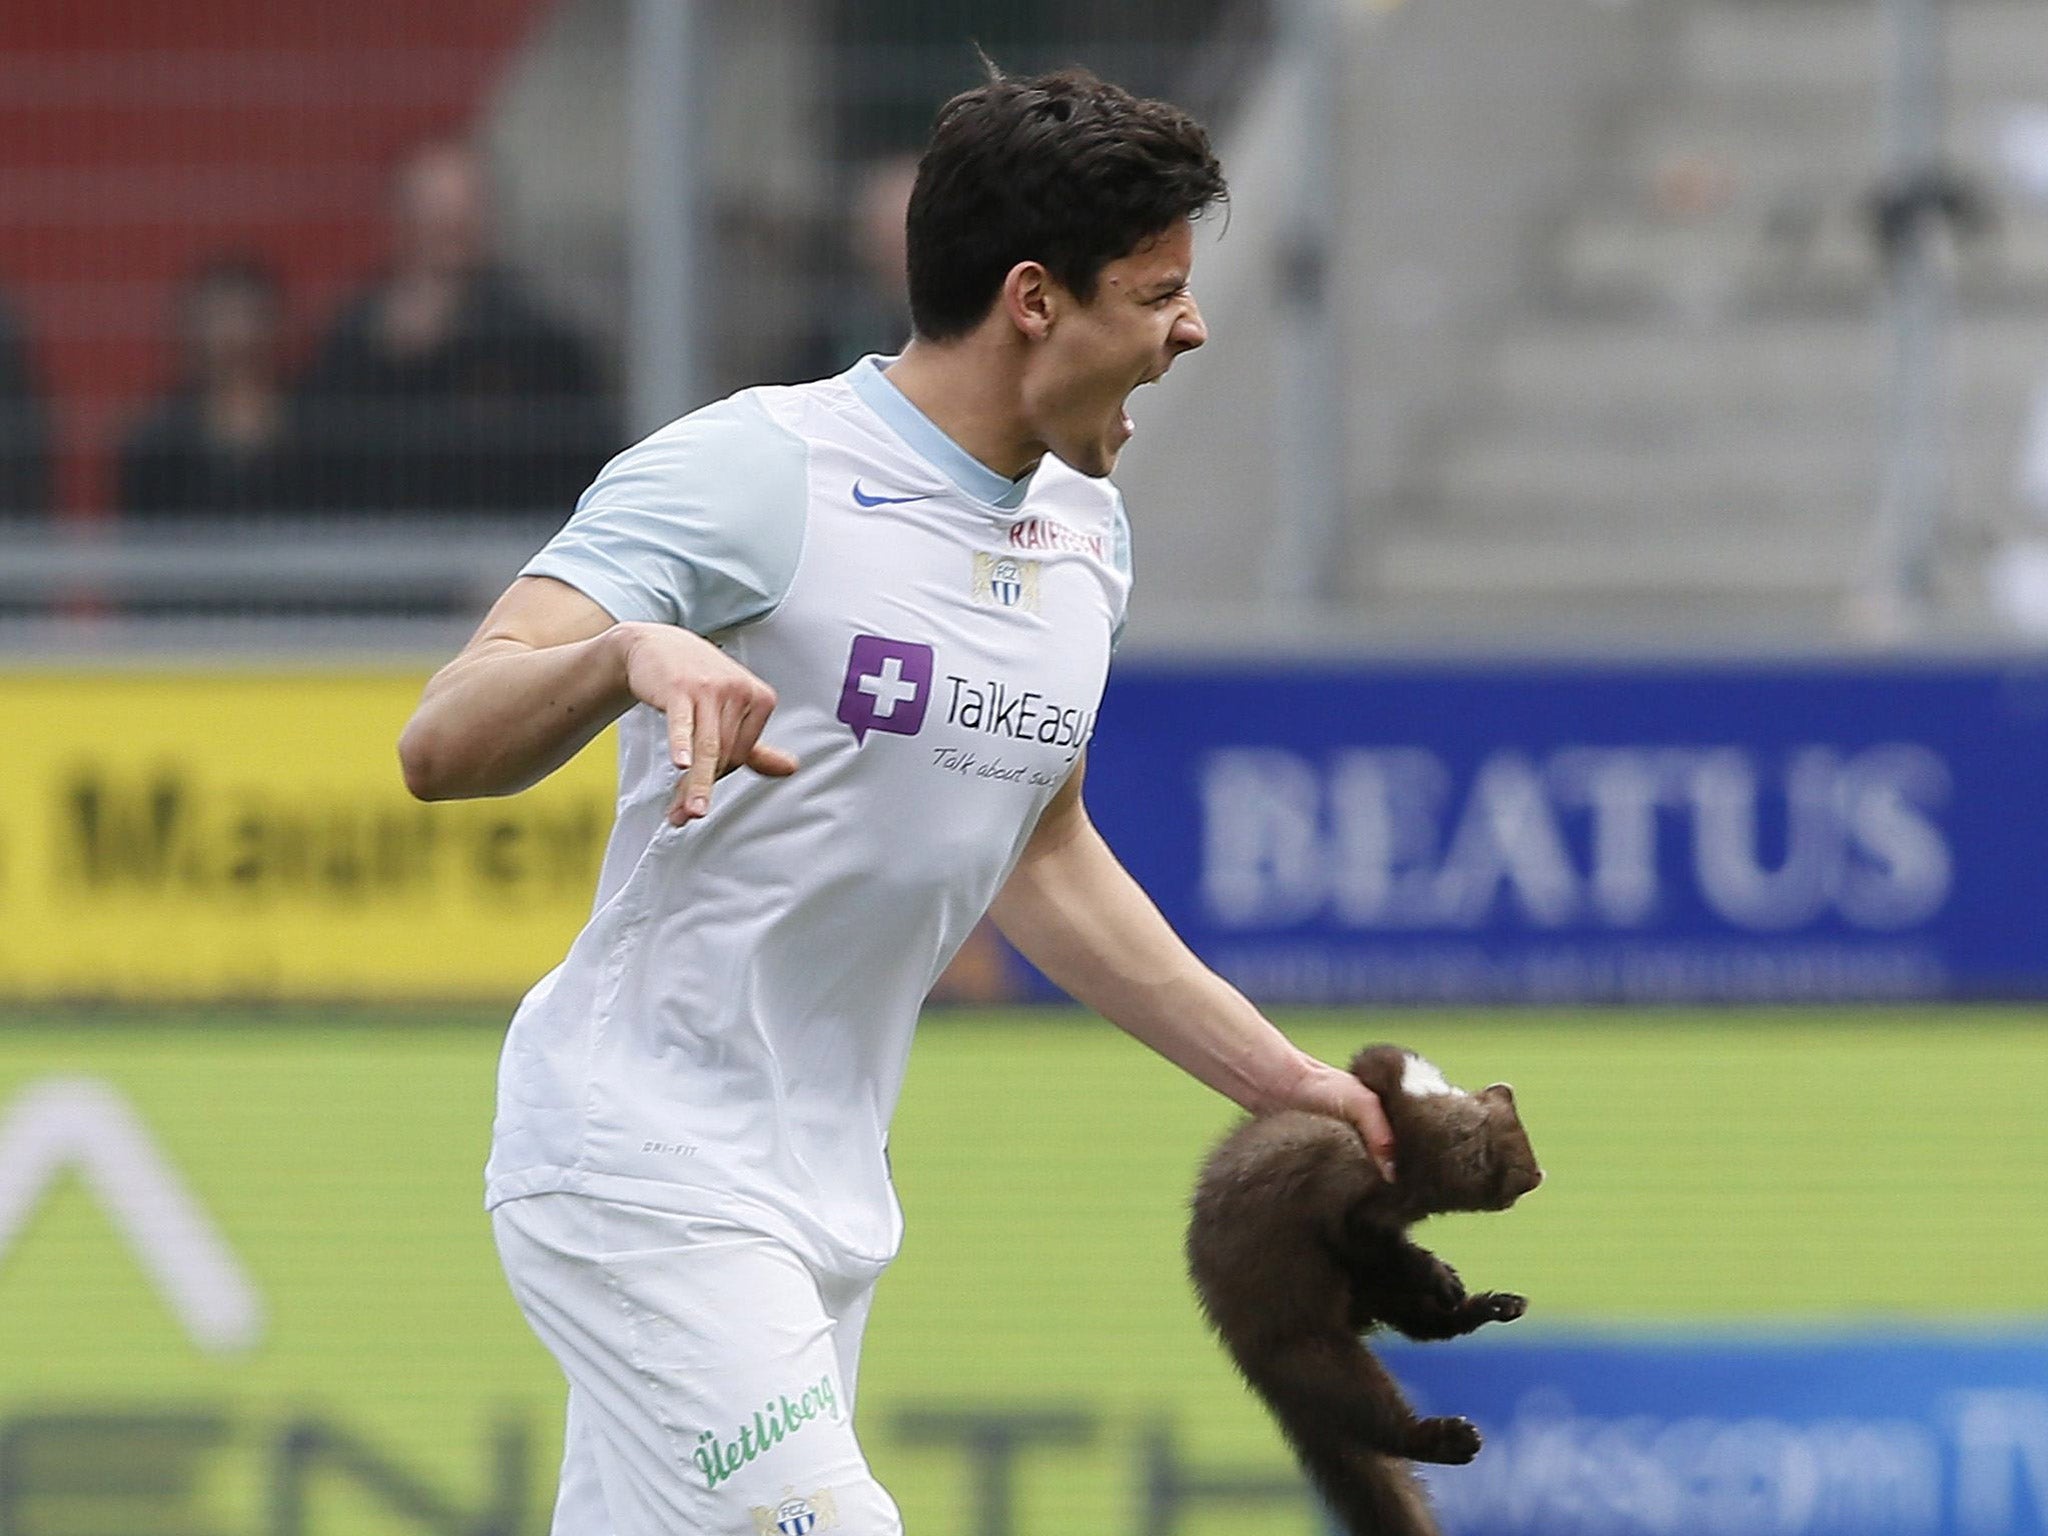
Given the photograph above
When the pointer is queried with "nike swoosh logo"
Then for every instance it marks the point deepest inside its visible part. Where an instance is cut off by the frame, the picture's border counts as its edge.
(862, 498)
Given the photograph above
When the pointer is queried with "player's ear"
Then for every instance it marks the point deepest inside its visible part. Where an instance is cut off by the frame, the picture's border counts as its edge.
(1029, 299)
(1500, 1092)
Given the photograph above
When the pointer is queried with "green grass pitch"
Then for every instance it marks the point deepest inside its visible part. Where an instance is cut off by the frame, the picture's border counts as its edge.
(1707, 1171)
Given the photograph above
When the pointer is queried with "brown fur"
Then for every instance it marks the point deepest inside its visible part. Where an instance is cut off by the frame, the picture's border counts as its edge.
(1297, 1246)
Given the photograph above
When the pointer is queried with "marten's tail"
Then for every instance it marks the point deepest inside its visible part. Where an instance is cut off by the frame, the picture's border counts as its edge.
(1346, 1419)
(1370, 1494)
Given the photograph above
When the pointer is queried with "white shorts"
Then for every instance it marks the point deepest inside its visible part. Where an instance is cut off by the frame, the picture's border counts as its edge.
(711, 1373)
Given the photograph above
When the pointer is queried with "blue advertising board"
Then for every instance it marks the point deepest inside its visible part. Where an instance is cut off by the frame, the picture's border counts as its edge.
(1571, 833)
(1852, 1436)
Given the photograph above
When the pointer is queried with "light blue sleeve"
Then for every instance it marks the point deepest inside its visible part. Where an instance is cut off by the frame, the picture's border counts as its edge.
(700, 524)
(1120, 557)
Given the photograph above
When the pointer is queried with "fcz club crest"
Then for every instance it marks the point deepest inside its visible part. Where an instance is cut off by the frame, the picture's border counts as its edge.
(1006, 581)
(797, 1514)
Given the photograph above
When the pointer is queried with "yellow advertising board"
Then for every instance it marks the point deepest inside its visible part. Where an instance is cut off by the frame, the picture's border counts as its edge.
(203, 835)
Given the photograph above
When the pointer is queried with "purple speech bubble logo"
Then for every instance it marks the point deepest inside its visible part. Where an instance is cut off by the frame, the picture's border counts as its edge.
(888, 684)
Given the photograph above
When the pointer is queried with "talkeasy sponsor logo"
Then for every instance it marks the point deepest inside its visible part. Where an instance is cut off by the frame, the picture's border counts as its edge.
(993, 707)
(887, 686)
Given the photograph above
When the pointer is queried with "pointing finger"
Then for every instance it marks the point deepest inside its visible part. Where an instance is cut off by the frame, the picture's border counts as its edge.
(704, 747)
(682, 717)
(682, 720)
(772, 761)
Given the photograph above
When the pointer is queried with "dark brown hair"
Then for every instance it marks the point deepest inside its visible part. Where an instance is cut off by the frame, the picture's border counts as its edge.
(1063, 169)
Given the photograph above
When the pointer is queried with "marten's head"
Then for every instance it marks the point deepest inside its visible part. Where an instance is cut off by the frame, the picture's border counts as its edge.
(1457, 1151)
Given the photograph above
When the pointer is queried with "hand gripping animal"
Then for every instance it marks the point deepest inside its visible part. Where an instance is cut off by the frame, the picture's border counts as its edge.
(1297, 1247)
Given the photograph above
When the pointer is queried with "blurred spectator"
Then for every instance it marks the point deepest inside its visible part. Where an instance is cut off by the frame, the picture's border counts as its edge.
(863, 302)
(443, 386)
(875, 316)
(24, 434)
(223, 439)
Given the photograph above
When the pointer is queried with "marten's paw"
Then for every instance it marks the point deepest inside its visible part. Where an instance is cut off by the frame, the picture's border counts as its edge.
(1441, 1287)
(1498, 1306)
(1448, 1442)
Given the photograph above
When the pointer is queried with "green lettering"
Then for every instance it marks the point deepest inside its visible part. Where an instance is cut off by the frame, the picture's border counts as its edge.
(706, 1457)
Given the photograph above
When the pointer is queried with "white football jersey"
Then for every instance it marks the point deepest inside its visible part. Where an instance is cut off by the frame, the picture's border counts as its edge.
(728, 1035)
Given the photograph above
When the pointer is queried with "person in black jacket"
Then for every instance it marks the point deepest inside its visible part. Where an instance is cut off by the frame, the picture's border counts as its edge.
(24, 431)
(223, 440)
(443, 386)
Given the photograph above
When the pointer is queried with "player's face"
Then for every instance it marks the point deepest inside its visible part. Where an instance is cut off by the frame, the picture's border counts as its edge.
(1142, 316)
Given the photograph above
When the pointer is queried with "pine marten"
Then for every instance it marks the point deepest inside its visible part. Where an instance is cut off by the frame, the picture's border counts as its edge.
(1297, 1246)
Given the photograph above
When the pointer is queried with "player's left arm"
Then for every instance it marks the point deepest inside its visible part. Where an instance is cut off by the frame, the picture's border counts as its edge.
(1073, 910)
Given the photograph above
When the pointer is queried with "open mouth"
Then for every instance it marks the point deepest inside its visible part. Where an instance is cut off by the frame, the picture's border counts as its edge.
(1124, 418)
(1124, 423)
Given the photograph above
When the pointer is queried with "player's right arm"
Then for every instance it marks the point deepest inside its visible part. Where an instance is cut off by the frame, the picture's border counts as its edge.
(548, 669)
(695, 530)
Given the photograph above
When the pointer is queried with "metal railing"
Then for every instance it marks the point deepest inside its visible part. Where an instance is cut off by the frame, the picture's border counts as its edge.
(388, 584)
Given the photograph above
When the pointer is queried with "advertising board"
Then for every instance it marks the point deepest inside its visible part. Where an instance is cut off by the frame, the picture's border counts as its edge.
(1571, 833)
(200, 835)
(1321, 834)
(1858, 1435)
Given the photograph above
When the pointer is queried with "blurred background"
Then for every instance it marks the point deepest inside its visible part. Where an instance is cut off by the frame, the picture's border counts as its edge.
(1591, 601)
